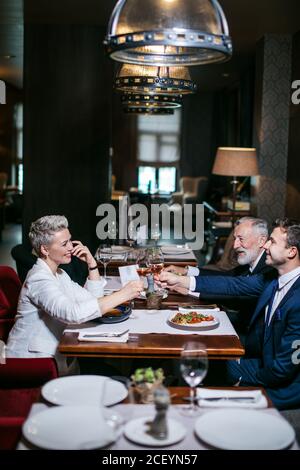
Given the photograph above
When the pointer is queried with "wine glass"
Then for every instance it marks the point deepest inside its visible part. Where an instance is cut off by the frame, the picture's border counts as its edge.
(156, 260)
(193, 368)
(131, 235)
(155, 233)
(104, 255)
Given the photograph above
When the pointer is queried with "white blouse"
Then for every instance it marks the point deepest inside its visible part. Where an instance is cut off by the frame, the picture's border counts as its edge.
(47, 303)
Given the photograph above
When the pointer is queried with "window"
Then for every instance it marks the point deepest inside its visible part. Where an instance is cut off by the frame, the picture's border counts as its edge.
(158, 152)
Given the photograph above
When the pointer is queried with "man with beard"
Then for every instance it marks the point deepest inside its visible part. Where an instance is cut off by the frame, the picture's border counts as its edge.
(250, 235)
(274, 331)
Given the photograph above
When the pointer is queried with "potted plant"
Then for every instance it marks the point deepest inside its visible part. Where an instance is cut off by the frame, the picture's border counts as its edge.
(145, 380)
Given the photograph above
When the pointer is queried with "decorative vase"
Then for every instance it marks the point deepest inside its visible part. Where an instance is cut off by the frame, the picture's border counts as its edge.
(146, 390)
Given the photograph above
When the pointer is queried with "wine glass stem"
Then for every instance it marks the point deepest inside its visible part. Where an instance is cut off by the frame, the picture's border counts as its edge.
(192, 398)
(104, 264)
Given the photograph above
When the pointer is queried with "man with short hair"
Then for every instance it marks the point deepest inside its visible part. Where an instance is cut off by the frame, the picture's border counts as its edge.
(274, 329)
(250, 234)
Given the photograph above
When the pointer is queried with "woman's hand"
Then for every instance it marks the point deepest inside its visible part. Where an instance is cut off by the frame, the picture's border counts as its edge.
(132, 290)
(179, 270)
(82, 252)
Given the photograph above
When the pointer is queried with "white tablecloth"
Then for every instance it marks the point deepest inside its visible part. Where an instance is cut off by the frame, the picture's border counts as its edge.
(129, 412)
(155, 321)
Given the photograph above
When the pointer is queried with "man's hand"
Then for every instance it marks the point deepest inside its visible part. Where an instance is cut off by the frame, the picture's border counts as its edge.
(170, 280)
(179, 270)
(180, 290)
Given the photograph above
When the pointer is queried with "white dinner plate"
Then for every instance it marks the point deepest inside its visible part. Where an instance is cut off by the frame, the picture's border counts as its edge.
(244, 430)
(71, 428)
(136, 431)
(204, 325)
(175, 250)
(84, 390)
(119, 250)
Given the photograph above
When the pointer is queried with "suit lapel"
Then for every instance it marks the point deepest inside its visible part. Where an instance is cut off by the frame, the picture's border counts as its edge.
(288, 295)
(260, 264)
(262, 302)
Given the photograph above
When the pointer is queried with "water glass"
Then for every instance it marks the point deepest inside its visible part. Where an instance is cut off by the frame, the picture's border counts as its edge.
(193, 368)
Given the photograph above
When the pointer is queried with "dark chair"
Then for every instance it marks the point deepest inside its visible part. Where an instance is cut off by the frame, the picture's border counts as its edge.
(77, 269)
(20, 382)
(10, 286)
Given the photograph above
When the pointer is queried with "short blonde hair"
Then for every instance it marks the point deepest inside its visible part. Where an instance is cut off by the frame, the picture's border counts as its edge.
(43, 229)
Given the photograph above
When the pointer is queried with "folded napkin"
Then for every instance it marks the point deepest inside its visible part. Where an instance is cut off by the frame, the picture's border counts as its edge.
(231, 398)
(94, 338)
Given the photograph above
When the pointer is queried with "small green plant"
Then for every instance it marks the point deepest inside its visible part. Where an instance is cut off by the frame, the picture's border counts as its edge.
(148, 375)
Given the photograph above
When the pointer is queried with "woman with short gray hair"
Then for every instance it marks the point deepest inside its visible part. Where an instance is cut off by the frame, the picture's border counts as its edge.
(49, 299)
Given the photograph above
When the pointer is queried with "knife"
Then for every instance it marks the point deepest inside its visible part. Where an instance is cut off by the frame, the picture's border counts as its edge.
(105, 335)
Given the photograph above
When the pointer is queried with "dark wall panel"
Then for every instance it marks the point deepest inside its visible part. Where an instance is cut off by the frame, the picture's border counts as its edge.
(67, 91)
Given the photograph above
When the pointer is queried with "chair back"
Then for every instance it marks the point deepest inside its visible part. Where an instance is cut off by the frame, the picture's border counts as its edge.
(10, 287)
(20, 382)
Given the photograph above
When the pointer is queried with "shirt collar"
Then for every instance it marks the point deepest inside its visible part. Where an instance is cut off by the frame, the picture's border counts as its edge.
(288, 277)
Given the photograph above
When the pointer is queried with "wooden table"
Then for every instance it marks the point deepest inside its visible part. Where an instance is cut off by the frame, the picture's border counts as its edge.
(151, 346)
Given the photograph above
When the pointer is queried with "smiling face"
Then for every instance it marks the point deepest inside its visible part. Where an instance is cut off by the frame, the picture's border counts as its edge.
(248, 243)
(278, 253)
(59, 251)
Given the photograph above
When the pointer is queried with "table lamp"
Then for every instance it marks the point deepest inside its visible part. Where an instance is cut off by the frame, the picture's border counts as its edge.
(235, 161)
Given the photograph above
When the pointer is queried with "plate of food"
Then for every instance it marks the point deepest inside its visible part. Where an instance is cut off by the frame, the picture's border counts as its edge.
(193, 320)
(115, 315)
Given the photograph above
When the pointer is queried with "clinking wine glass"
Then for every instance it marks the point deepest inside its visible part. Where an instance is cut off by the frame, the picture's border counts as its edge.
(155, 233)
(156, 260)
(193, 368)
(104, 255)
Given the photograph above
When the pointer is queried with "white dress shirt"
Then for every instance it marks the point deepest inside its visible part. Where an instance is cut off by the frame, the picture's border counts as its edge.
(193, 280)
(47, 303)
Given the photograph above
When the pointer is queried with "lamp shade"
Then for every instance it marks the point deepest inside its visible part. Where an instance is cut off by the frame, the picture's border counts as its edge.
(235, 161)
(168, 32)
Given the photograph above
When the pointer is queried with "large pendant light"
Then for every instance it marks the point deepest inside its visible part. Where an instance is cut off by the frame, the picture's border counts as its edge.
(168, 32)
(159, 80)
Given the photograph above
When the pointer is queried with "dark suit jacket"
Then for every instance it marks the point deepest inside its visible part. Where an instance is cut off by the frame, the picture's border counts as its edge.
(276, 371)
(272, 356)
(241, 270)
(239, 303)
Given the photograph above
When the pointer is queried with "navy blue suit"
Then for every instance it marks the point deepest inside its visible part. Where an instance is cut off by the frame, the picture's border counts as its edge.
(268, 359)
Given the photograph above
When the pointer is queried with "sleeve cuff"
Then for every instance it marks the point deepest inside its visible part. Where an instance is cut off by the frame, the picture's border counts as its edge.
(192, 286)
(193, 271)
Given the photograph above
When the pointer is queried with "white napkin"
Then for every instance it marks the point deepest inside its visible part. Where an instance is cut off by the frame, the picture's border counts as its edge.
(227, 398)
(102, 339)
